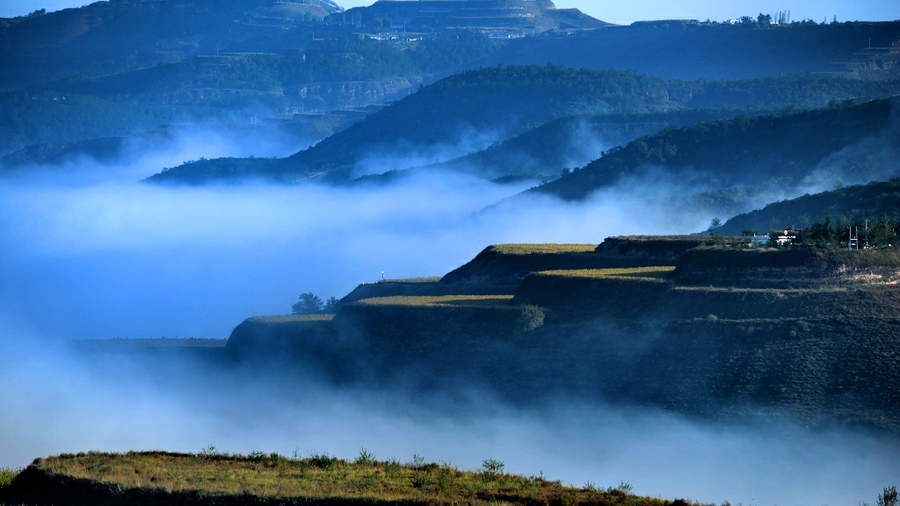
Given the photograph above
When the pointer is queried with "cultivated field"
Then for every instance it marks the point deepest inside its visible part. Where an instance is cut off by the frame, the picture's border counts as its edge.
(638, 273)
(526, 249)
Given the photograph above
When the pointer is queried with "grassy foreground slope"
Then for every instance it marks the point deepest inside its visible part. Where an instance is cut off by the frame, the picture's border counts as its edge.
(152, 478)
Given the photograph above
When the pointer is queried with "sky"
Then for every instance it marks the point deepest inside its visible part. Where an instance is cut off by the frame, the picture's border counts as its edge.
(635, 10)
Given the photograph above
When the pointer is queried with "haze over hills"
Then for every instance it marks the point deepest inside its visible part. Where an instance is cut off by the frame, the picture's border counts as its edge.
(850, 204)
(730, 166)
(430, 142)
(111, 69)
(470, 110)
(688, 49)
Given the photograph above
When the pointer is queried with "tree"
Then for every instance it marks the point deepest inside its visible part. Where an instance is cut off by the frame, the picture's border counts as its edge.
(764, 20)
(309, 303)
(331, 305)
(821, 235)
(881, 234)
(888, 497)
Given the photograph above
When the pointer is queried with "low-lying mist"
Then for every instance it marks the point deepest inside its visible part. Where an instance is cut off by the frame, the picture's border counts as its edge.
(90, 253)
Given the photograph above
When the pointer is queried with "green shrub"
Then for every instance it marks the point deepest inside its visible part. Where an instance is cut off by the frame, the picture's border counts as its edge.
(7, 475)
(365, 458)
(322, 461)
(532, 318)
(491, 469)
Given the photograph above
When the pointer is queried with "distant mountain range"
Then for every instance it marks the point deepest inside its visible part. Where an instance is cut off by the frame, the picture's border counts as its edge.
(403, 87)
(112, 68)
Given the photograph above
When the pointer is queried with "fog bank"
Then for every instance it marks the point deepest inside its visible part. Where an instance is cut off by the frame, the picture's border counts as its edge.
(90, 253)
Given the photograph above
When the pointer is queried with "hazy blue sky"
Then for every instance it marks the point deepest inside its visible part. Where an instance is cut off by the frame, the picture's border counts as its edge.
(633, 10)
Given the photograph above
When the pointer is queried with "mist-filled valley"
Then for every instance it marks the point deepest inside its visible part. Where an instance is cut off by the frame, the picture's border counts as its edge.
(665, 271)
(98, 257)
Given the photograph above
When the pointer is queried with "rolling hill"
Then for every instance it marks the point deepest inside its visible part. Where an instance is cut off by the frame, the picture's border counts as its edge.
(469, 110)
(113, 68)
(691, 49)
(726, 165)
(850, 203)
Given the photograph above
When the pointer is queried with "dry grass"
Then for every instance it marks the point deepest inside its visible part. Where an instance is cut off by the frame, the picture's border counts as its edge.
(321, 476)
(287, 318)
(654, 273)
(526, 249)
(442, 300)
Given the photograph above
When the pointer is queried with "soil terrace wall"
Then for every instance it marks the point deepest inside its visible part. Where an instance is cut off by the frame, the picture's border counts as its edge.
(794, 268)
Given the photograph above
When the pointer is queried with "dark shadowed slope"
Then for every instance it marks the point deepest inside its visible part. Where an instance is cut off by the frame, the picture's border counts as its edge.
(852, 203)
(728, 163)
(110, 37)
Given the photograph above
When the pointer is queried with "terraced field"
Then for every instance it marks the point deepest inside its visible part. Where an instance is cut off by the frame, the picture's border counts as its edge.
(658, 273)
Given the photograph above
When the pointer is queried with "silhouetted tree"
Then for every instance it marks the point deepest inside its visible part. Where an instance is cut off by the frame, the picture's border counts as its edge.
(309, 303)
(331, 305)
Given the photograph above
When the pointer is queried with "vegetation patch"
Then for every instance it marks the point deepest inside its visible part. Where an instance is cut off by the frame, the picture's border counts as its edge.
(216, 478)
(7, 475)
(527, 249)
(655, 273)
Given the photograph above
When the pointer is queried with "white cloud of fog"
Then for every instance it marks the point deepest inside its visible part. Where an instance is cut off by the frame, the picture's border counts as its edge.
(83, 258)
(406, 156)
(144, 154)
(54, 404)
(102, 256)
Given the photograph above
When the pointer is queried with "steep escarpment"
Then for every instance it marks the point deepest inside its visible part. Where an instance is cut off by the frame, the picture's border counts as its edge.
(724, 332)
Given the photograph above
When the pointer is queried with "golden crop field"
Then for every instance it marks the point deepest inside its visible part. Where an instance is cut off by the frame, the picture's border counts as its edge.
(525, 249)
(658, 273)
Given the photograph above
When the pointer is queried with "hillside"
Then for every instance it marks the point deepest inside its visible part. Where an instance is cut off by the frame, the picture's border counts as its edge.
(702, 327)
(139, 65)
(737, 161)
(685, 49)
(469, 110)
(851, 203)
(212, 478)
(111, 37)
(547, 151)
(114, 68)
(499, 19)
